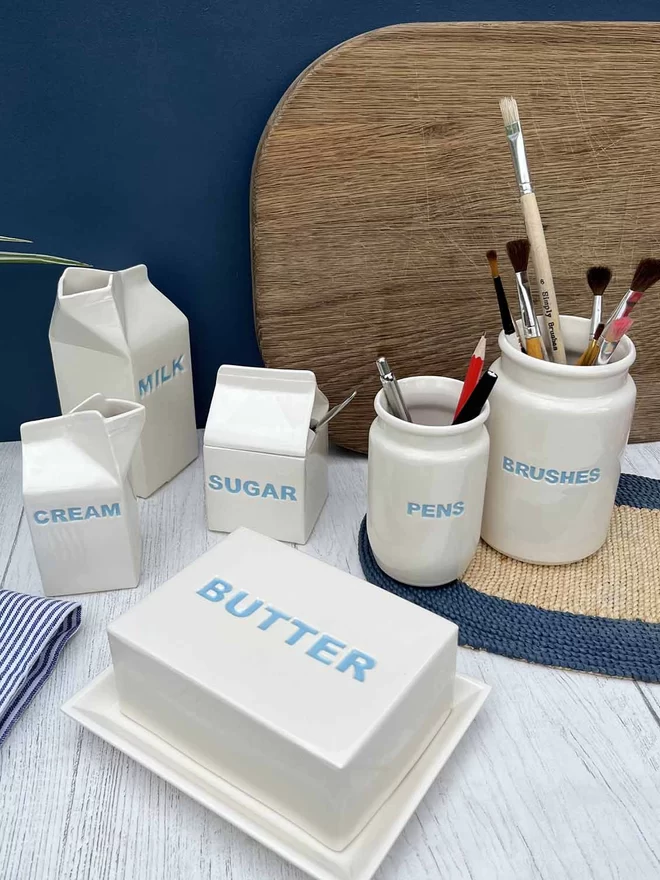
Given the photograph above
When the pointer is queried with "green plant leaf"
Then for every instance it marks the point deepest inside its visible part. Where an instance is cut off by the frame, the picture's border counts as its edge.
(21, 240)
(9, 257)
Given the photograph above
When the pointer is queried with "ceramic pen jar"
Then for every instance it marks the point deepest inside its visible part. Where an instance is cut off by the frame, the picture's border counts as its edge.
(426, 484)
(557, 433)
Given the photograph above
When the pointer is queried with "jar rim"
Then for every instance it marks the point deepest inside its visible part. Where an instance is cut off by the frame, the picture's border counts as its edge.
(429, 382)
(572, 371)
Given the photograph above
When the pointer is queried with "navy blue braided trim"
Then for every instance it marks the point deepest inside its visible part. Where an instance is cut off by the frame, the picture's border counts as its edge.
(625, 648)
(640, 492)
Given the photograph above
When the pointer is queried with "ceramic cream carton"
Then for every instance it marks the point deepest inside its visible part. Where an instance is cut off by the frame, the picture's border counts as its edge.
(264, 467)
(115, 333)
(309, 689)
(79, 503)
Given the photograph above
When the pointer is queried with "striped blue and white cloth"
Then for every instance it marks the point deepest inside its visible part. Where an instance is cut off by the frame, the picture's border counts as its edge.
(33, 631)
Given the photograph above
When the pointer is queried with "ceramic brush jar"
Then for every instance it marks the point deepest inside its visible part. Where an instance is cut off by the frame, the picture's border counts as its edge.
(426, 484)
(557, 432)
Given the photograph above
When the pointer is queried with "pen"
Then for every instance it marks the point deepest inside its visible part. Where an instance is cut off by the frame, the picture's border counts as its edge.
(392, 391)
(475, 402)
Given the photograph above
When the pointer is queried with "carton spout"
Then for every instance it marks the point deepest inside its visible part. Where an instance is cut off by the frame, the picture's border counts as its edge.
(76, 280)
(89, 311)
(124, 421)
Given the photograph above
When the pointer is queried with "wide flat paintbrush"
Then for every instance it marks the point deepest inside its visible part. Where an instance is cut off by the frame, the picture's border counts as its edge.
(505, 312)
(534, 227)
(518, 252)
(598, 277)
(646, 275)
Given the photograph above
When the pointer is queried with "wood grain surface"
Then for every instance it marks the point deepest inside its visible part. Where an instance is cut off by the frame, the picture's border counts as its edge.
(384, 176)
(557, 779)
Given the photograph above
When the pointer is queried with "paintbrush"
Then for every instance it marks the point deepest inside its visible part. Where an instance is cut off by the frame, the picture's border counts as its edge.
(518, 252)
(598, 277)
(613, 335)
(505, 313)
(646, 275)
(590, 353)
(534, 227)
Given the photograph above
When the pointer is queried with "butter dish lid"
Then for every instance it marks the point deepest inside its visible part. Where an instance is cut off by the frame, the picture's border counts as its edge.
(312, 652)
(261, 410)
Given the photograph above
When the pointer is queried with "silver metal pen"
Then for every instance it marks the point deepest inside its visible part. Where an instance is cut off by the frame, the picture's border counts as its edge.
(392, 391)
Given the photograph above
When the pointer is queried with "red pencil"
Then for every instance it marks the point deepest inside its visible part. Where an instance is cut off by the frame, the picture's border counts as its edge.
(473, 374)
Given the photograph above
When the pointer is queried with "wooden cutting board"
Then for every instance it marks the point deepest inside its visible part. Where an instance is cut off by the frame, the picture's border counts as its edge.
(384, 175)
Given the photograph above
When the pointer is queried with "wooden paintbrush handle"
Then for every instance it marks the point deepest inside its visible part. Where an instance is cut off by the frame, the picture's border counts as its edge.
(544, 280)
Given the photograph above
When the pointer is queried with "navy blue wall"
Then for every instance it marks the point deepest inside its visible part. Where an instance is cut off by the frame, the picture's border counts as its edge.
(127, 130)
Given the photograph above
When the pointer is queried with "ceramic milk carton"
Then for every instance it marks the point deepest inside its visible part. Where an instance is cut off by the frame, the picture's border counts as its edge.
(78, 500)
(114, 333)
(264, 467)
(311, 690)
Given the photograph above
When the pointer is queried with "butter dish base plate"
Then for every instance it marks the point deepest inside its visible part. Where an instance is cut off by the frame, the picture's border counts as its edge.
(96, 707)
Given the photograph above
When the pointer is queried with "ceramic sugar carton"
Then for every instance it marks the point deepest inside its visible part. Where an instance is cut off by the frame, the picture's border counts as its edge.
(79, 504)
(115, 333)
(309, 689)
(265, 468)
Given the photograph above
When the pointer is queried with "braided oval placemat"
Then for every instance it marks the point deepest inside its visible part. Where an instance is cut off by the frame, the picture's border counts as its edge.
(600, 615)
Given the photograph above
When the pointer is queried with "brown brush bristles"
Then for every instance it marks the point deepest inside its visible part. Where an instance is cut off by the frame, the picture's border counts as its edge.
(598, 277)
(518, 251)
(646, 275)
(491, 256)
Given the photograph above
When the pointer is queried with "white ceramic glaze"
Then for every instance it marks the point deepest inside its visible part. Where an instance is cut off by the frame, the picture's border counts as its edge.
(115, 333)
(264, 468)
(557, 432)
(308, 689)
(96, 708)
(426, 484)
(79, 503)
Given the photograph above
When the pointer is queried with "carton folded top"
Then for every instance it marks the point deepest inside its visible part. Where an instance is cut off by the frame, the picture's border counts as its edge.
(90, 446)
(116, 313)
(261, 410)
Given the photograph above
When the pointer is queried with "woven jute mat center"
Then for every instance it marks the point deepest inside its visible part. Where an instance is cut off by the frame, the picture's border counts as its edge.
(600, 615)
(620, 581)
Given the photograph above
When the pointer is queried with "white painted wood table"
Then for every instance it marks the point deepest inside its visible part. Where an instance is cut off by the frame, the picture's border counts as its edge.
(559, 777)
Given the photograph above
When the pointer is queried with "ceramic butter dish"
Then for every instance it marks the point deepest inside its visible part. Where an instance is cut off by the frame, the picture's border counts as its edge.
(264, 466)
(312, 691)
